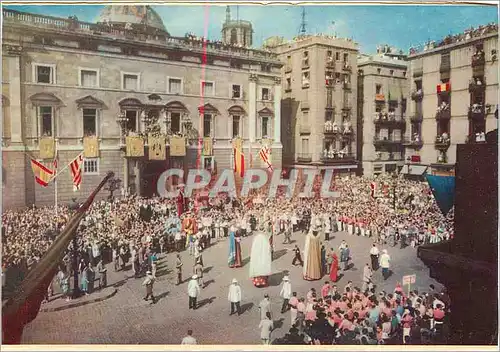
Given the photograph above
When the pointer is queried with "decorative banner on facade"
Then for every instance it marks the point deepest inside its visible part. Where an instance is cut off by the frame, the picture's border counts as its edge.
(207, 146)
(90, 147)
(47, 148)
(177, 146)
(157, 149)
(445, 87)
(135, 146)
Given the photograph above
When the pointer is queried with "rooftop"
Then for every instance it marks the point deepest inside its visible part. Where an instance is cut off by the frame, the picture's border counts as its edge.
(450, 40)
(320, 38)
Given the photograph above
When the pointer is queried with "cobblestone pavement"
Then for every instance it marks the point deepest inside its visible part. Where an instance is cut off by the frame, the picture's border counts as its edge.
(127, 319)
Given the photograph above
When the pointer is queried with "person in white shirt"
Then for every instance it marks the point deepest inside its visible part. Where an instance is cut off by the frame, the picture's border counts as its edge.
(385, 263)
(193, 291)
(189, 339)
(286, 293)
(234, 296)
(374, 253)
(266, 326)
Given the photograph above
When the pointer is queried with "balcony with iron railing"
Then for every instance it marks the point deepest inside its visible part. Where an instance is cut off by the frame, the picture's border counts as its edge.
(379, 156)
(388, 119)
(304, 157)
(477, 112)
(445, 65)
(331, 128)
(336, 157)
(330, 62)
(386, 141)
(477, 86)
(443, 112)
(478, 59)
(417, 95)
(414, 142)
(442, 142)
(346, 67)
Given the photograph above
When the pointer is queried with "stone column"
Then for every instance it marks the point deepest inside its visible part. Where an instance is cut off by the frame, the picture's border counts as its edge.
(277, 111)
(13, 63)
(125, 173)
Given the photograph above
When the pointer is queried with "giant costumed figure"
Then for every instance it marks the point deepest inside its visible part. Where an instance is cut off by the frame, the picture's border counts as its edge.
(312, 255)
(189, 227)
(260, 259)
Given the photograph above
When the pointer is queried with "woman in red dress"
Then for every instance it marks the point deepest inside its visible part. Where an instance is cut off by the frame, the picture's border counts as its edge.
(334, 268)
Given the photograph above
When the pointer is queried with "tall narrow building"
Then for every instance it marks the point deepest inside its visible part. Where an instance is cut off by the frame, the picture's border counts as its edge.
(382, 101)
(319, 102)
(454, 97)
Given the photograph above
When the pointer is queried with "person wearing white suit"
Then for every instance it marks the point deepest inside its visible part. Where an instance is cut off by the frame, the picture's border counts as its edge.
(286, 293)
(234, 296)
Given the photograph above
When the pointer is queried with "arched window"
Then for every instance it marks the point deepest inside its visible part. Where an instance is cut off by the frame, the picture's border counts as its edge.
(234, 36)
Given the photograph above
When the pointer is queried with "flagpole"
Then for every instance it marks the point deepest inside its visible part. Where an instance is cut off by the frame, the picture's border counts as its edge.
(55, 180)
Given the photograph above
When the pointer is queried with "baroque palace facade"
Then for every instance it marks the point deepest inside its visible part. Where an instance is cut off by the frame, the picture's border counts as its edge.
(70, 83)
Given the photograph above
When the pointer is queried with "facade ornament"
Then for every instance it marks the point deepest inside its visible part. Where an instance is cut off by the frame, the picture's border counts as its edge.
(277, 80)
(253, 77)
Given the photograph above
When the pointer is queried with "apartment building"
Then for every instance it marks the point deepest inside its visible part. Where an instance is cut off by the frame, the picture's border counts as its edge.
(454, 97)
(382, 102)
(319, 85)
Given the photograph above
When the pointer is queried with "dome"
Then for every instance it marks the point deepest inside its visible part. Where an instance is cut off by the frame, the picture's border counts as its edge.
(133, 14)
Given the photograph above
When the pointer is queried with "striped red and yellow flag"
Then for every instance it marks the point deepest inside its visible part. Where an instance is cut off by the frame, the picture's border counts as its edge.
(43, 175)
(264, 154)
(76, 171)
(239, 162)
(445, 87)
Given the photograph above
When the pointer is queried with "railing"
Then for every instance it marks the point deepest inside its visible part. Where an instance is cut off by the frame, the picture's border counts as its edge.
(475, 87)
(152, 37)
(347, 67)
(386, 140)
(442, 143)
(331, 130)
(304, 157)
(478, 59)
(477, 112)
(336, 157)
(347, 86)
(388, 120)
(443, 114)
(330, 62)
(413, 142)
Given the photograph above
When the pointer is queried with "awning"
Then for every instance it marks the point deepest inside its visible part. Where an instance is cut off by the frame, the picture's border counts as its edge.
(417, 170)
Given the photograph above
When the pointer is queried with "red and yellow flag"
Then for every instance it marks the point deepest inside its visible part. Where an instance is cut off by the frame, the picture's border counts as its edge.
(43, 175)
(445, 87)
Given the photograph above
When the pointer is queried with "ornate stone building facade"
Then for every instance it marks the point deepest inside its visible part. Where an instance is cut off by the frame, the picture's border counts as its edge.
(382, 102)
(125, 75)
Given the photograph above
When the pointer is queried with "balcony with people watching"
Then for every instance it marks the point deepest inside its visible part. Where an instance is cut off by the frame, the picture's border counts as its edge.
(388, 118)
(386, 141)
(415, 141)
(347, 67)
(477, 111)
(332, 155)
(478, 58)
(347, 129)
(331, 127)
(443, 111)
(443, 141)
(477, 85)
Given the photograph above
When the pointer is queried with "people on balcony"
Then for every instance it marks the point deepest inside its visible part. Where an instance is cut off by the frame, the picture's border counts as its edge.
(415, 138)
(477, 108)
(384, 116)
(441, 158)
(377, 116)
(480, 137)
(347, 127)
(444, 138)
(443, 107)
(328, 126)
(392, 115)
(335, 127)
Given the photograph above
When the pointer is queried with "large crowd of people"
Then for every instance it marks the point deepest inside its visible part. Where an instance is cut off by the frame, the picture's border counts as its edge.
(131, 229)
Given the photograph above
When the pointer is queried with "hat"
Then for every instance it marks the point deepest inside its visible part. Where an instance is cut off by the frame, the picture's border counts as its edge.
(148, 272)
(286, 278)
(194, 277)
(235, 281)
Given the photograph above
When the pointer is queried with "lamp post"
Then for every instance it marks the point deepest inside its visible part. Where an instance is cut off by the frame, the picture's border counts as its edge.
(122, 120)
(74, 254)
(394, 191)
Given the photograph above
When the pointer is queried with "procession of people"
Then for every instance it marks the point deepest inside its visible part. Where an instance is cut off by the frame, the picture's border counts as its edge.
(136, 230)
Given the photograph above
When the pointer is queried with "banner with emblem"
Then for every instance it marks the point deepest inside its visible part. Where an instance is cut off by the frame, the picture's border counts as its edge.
(177, 146)
(207, 146)
(47, 148)
(157, 148)
(135, 146)
(90, 147)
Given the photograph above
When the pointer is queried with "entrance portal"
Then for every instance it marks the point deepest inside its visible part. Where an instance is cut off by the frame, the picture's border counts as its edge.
(150, 173)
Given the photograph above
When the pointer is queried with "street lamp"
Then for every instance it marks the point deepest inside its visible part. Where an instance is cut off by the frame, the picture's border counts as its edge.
(122, 120)
(74, 253)
(395, 177)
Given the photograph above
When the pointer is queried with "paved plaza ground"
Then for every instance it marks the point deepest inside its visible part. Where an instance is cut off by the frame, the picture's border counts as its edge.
(126, 319)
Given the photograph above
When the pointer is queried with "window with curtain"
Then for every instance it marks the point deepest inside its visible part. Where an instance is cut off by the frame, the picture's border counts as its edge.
(207, 125)
(46, 120)
(89, 122)
(44, 74)
(88, 78)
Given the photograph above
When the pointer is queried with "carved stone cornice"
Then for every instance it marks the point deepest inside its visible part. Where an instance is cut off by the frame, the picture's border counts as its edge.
(277, 80)
(12, 49)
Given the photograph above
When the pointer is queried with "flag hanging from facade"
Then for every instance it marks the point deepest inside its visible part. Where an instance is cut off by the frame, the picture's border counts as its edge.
(24, 304)
(265, 156)
(207, 146)
(445, 87)
(91, 147)
(157, 149)
(43, 175)
(47, 146)
(177, 146)
(239, 158)
(76, 172)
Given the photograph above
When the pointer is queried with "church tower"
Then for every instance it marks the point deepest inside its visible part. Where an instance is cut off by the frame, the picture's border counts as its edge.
(236, 32)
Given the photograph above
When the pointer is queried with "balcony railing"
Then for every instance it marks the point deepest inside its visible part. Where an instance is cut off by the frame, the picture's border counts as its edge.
(152, 37)
(378, 141)
(477, 112)
(443, 114)
(332, 157)
(346, 107)
(330, 128)
(329, 82)
(477, 86)
(330, 62)
(415, 142)
(347, 67)
(442, 142)
(417, 95)
(347, 86)
(478, 59)
(304, 157)
(388, 119)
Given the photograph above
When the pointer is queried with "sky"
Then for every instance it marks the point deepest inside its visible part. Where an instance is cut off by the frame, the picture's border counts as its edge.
(398, 26)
